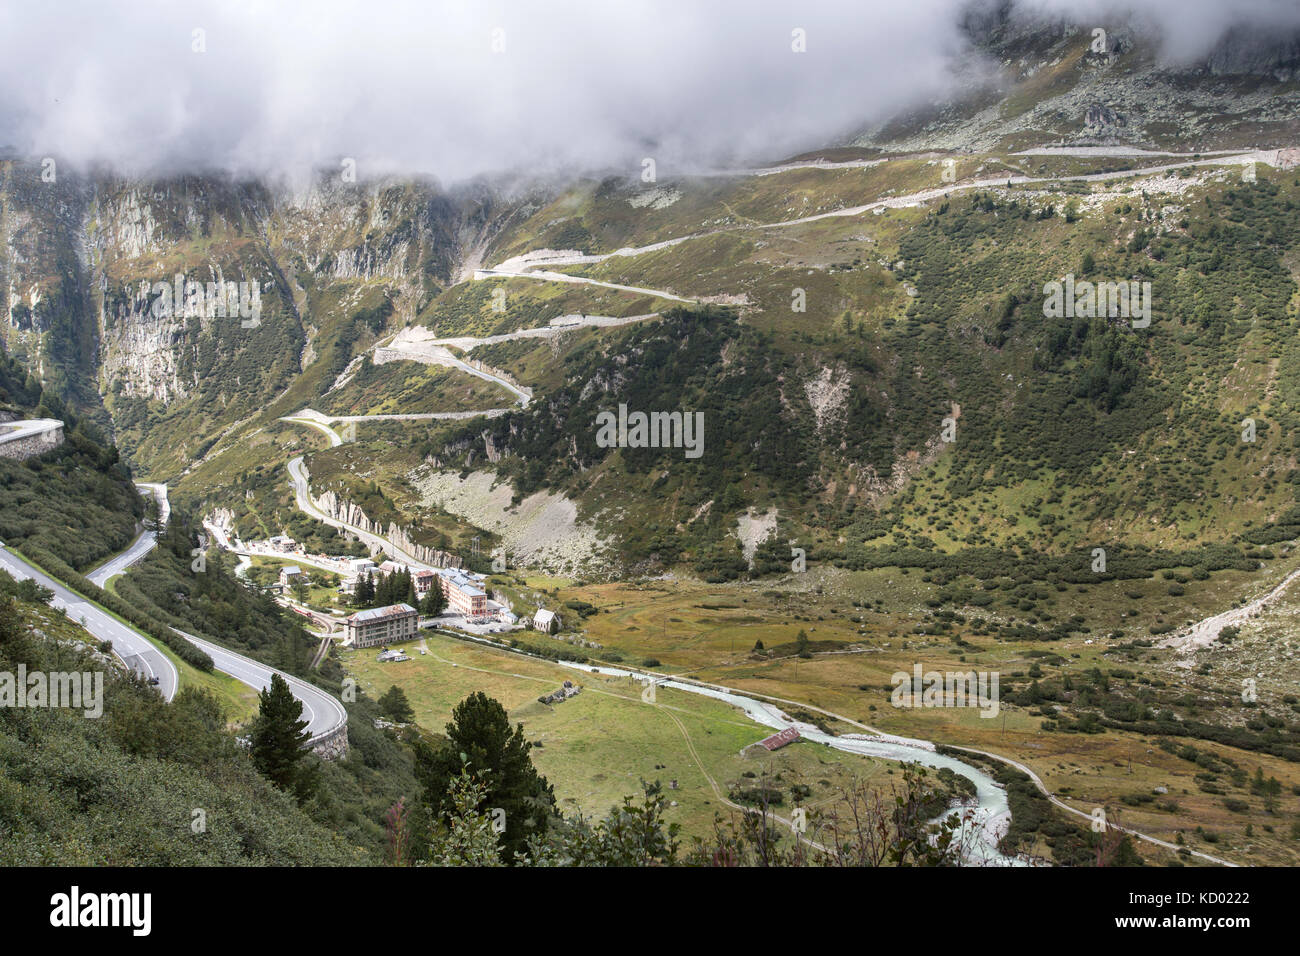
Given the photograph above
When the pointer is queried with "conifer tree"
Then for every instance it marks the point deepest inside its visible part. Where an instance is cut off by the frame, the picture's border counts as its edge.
(479, 737)
(434, 601)
(277, 740)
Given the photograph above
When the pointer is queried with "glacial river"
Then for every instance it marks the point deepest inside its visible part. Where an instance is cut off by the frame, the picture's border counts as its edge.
(991, 815)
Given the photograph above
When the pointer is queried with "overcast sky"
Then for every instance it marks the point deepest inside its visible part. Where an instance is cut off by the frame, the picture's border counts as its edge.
(417, 87)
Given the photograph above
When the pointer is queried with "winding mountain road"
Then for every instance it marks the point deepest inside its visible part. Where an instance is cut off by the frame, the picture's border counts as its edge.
(530, 265)
(500, 273)
(418, 344)
(134, 649)
(324, 715)
(299, 478)
(141, 546)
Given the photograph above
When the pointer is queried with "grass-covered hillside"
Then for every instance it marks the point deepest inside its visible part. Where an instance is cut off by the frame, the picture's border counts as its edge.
(122, 789)
(886, 378)
(76, 501)
(1066, 432)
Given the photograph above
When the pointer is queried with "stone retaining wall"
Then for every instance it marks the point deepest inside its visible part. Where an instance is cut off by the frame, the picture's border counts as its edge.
(333, 745)
(31, 445)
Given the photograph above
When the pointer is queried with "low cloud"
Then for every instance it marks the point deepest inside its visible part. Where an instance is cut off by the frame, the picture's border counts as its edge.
(1186, 30)
(457, 90)
(418, 87)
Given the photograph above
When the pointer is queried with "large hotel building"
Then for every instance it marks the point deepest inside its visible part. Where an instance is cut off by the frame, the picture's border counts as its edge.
(382, 625)
(463, 594)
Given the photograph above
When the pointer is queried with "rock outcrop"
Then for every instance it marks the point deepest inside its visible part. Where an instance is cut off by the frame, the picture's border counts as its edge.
(349, 512)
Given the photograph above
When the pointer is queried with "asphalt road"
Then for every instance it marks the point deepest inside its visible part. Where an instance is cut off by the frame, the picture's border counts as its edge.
(12, 431)
(321, 711)
(136, 650)
(119, 563)
(298, 479)
(140, 546)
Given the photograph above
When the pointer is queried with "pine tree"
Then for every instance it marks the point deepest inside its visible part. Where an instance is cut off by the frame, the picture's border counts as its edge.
(479, 739)
(435, 601)
(384, 591)
(395, 705)
(277, 740)
(365, 593)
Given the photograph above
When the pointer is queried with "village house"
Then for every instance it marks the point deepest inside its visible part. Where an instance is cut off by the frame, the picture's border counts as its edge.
(291, 575)
(381, 625)
(778, 740)
(567, 689)
(356, 568)
(423, 581)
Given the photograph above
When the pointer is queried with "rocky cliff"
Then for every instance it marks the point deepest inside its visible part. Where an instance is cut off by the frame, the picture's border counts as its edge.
(350, 513)
(115, 291)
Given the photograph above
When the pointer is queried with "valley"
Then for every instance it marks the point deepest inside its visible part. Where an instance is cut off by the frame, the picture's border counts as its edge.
(635, 492)
(670, 649)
